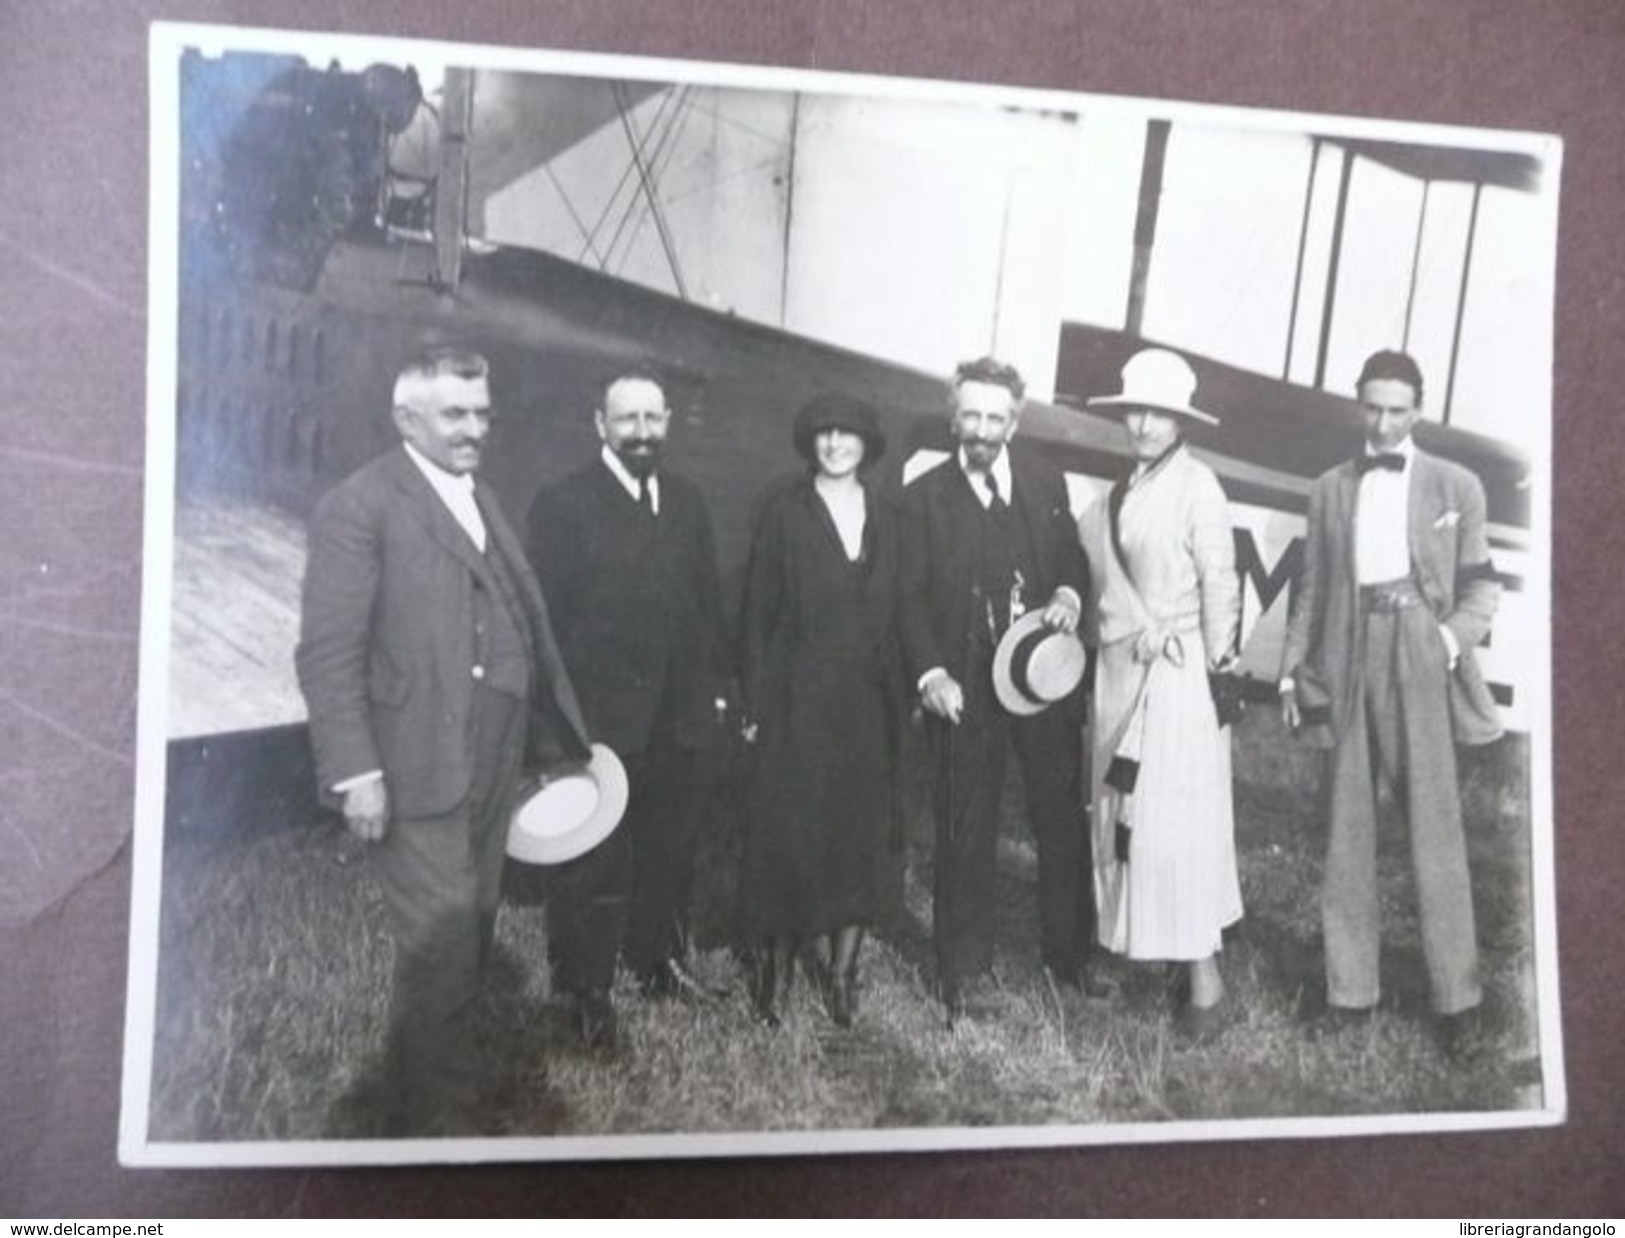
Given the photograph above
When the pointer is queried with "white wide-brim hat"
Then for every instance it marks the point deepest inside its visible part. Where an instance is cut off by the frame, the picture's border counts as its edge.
(566, 811)
(1034, 667)
(1160, 380)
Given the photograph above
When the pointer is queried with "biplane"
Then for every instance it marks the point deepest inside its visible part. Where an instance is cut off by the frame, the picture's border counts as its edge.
(331, 221)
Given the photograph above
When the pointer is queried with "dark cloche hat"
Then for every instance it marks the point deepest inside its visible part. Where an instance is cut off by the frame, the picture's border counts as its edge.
(837, 412)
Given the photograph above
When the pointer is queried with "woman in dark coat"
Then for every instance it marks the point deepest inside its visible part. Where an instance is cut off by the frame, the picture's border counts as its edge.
(821, 687)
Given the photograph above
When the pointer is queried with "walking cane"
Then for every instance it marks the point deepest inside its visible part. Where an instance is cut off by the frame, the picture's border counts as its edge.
(977, 611)
(946, 911)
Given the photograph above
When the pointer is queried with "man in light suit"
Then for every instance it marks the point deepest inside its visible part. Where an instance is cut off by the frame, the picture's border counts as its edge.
(425, 654)
(624, 549)
(986, 535)
(1396, 593)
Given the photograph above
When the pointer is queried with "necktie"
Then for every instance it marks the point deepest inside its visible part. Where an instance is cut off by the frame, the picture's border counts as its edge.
(995, 499)
(1392, 461)
(646, 498)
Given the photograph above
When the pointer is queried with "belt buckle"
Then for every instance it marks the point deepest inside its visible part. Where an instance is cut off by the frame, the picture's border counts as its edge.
(1373, 598)
(1388, 598)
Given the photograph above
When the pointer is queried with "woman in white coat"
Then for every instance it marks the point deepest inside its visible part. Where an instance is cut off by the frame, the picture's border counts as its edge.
(1164, 616)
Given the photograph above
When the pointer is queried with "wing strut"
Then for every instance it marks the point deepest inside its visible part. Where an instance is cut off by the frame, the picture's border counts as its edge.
(451, 189)
(650, 194)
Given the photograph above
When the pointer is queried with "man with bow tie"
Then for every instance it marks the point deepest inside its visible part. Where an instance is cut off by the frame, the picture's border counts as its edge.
(1397, 591)
(426, 658)
(986, 535)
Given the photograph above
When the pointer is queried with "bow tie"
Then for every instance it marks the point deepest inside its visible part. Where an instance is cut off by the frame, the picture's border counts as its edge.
(1390, 460)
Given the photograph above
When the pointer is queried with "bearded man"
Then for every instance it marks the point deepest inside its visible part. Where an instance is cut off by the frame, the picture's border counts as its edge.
(625, 551)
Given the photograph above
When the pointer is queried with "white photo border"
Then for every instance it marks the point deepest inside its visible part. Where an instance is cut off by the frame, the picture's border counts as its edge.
(137, 1148)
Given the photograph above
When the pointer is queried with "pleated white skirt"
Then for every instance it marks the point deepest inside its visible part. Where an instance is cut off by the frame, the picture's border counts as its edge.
(1178, 889)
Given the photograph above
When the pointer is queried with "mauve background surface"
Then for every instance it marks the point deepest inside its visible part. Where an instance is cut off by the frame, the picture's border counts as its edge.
(73, 151)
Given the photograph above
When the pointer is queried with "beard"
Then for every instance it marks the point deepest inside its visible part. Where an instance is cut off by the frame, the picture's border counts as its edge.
(641, 458)
(980, 453)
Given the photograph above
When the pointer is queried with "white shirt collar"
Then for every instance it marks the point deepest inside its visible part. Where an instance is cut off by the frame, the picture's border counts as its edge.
(455, 490)
(629, 483)
(438, 477)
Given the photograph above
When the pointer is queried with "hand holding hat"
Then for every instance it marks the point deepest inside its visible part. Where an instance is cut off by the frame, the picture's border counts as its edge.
(1035, 666)
(569, 809)
(1063, 612)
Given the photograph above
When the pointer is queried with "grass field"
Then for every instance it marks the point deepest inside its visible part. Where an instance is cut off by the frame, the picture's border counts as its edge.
(274, 963)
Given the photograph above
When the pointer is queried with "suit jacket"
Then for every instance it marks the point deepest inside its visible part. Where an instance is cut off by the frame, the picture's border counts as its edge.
(637, 605)
(1450, 561)
(939, 538)
(387, 642)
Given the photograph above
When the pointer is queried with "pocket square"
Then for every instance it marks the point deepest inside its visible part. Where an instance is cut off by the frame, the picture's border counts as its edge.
(1448, 520)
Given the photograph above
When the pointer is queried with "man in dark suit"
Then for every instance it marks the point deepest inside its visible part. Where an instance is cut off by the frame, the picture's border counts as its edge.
(1397, 591)
(987, 535)
(625, 552)
(425, 654)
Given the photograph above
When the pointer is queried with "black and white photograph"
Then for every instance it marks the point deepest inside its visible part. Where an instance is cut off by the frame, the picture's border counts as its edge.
(709, 610)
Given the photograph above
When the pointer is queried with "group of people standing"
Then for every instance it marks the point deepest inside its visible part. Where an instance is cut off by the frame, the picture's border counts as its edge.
(440, 653)
(845, 597)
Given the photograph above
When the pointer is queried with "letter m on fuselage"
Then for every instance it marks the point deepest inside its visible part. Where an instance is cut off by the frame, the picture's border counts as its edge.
(1267, 583)
(1269, 558)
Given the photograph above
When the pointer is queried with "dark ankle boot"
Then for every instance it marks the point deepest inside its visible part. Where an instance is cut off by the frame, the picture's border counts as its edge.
(773, 983)
(842, 1007)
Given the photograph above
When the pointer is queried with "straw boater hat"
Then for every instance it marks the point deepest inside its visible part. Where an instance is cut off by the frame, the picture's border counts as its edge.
(569, 809)
(1160, 380)
(1034, 667)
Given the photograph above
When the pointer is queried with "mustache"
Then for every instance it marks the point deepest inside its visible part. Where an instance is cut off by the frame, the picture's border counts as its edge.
(641, 456)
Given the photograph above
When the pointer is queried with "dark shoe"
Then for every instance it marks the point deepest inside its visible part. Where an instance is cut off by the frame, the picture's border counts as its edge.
(658, 984)
(1067, 977)
(1200, 1025)
(772, 994)
(774, 979)
(1099, 985)
(690, 985)
(765, 1011)
(818, 970)
(977, 998)
(1462, 1035)
(1092, 981)
(671, 979)
(1323, 1022)
(841, 1005)
(596, 1024)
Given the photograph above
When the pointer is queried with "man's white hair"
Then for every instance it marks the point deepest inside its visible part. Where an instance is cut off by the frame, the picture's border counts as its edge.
(415, 384)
